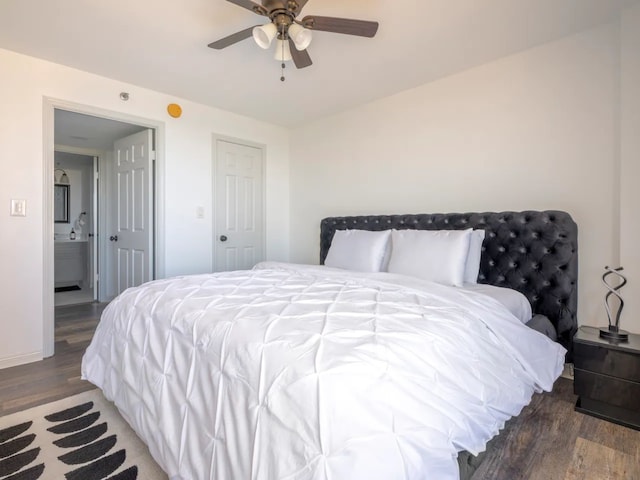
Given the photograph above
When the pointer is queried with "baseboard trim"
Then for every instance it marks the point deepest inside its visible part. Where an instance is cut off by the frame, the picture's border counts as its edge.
(20, 359)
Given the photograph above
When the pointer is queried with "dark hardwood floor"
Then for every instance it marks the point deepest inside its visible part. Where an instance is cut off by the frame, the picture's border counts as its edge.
(547, 441)
(56, 377)
(550, 441)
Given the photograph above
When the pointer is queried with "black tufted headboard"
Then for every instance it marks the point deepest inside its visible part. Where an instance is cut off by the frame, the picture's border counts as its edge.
(533, 252)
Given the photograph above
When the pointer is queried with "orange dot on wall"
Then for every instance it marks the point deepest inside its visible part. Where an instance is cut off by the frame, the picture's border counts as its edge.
(174, 110)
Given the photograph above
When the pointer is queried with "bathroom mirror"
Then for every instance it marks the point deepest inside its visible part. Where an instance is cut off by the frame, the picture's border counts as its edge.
(61, 203)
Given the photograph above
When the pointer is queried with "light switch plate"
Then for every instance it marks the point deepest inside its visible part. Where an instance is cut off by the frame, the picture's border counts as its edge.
(199, 211)
(18, 207)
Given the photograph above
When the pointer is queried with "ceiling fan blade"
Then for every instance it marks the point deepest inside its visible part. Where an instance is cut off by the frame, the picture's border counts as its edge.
(249, 5)
(300, 58)
(301, 4)
(347, 26)
(231, 39)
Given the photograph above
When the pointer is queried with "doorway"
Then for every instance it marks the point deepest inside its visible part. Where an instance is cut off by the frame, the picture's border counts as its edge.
(75, 215)
(76, 133)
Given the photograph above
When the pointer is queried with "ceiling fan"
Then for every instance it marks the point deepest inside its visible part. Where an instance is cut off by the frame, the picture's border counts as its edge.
(292, 36)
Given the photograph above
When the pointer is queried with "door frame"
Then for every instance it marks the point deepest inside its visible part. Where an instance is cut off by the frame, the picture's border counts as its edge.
(48, 115)
(214, 211)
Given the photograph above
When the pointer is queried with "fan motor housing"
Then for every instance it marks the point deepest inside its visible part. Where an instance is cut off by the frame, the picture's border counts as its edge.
(273, 6)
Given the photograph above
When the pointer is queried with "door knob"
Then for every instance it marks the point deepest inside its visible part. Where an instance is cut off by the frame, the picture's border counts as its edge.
(223, 238)
(113, 238)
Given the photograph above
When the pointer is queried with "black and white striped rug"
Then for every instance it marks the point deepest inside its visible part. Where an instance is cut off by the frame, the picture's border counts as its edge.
(78, 438)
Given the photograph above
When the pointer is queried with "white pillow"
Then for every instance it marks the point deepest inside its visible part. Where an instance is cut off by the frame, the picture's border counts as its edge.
(358, 250)
(436, 255)
(515, 301)
(472, 267)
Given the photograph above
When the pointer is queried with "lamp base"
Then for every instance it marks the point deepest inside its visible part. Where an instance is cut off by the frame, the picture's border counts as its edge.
(614, 334)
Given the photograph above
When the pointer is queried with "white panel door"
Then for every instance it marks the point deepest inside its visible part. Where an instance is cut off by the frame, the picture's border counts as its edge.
(239, 228)
(132, 238)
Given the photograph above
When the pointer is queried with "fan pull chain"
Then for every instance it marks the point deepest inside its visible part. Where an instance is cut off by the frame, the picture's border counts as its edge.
(283, 65)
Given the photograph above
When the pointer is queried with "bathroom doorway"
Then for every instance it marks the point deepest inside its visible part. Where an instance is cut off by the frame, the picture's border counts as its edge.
(84, 261)
(76, 137)
(75, 216)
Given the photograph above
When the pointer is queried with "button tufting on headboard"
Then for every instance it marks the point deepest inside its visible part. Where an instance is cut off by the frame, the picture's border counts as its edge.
(534, 252)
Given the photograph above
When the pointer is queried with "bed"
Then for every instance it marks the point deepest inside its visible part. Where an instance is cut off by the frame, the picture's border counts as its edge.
(310, 372)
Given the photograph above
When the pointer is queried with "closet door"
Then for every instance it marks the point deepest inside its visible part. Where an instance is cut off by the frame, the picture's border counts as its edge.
(238, 206)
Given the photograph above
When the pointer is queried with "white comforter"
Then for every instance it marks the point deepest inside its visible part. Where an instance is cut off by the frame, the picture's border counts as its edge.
(299, 372)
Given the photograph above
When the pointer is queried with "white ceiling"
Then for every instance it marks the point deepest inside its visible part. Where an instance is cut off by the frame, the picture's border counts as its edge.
(85, 131)
(162, 45)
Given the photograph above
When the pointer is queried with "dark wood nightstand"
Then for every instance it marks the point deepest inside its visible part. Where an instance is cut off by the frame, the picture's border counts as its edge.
(607, 377)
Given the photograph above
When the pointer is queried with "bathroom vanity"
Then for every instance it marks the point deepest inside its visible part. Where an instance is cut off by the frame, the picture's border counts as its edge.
(70, 258)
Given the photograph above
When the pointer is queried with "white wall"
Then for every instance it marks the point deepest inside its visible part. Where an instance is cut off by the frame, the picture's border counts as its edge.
(24, 82)
(536, 130)
(548, 128)
(630, 165)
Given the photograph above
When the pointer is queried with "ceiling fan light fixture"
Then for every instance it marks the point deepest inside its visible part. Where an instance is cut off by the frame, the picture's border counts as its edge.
(283, 52)
(264, 34)
(285, 26)
(301, 36)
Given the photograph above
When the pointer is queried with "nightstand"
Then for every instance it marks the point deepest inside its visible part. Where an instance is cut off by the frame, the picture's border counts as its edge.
(607, 377)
